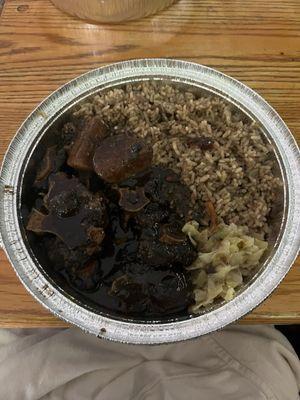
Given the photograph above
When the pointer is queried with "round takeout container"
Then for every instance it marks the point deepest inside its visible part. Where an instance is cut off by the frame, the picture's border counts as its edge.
(285, 243)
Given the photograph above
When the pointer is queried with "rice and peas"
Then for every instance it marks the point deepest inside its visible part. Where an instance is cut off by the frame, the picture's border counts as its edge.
(233, 175)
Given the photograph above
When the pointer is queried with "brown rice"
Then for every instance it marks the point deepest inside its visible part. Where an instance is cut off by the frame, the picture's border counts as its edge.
(237, 175)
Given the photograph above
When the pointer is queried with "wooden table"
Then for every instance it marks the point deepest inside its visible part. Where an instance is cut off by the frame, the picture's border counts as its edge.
(41, 48)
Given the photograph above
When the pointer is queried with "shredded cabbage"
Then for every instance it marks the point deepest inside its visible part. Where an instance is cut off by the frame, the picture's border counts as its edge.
(225, 257)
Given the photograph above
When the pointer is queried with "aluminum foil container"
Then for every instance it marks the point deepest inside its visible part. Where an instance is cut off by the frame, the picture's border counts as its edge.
(112, 10)
(285, 240)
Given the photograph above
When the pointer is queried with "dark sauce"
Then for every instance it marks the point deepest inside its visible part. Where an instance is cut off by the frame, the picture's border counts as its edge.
(158, 290)
(137, 269)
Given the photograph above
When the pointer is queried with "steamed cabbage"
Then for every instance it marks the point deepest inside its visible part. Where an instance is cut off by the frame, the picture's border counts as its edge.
(225, 257)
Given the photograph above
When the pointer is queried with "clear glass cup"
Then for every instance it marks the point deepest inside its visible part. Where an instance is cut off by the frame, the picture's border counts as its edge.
(112, 10)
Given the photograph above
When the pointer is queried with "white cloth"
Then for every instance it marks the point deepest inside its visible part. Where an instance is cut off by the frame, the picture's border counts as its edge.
(238, 363)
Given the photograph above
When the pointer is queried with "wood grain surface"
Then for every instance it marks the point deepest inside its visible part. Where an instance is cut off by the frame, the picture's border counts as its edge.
(41, 48)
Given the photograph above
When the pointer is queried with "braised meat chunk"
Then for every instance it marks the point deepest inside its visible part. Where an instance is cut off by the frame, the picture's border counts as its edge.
(132, 295)
(82, 271)
(119, 157)
(170, 292)
(63, 258)
(82, 151)
(153, 292)
(87, 277)
(133, 200)
(165, 188)
(152, 214)
(75, 215)
(51, 163)
(156, 253)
